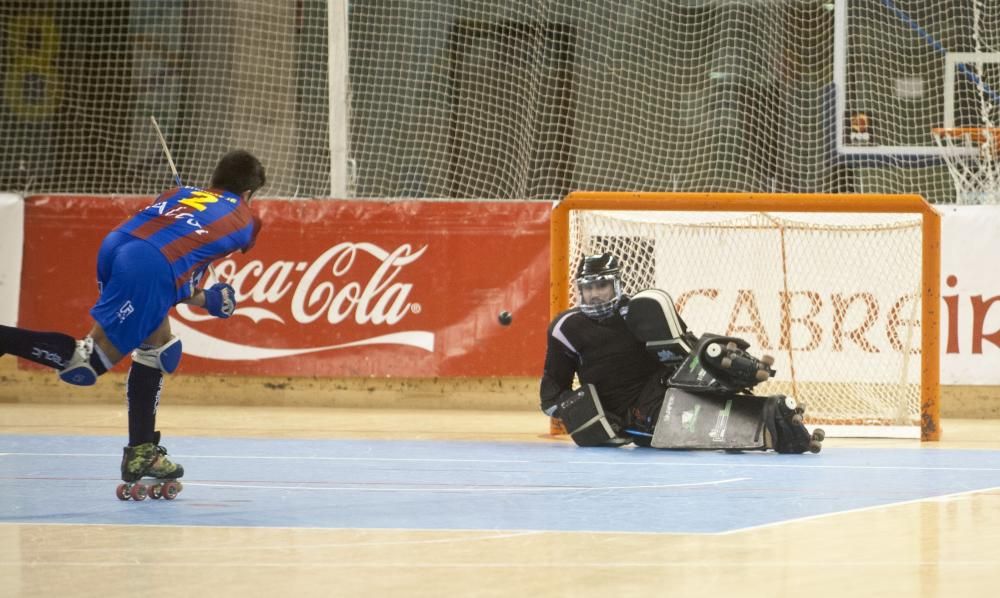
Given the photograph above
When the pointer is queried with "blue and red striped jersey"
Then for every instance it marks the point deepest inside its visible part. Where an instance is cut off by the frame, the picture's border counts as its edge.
(193, 227)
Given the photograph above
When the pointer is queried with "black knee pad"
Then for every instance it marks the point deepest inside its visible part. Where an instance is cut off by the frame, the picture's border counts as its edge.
(586, 421)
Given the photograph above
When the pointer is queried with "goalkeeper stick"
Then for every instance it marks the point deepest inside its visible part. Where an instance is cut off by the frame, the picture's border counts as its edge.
(173, 169)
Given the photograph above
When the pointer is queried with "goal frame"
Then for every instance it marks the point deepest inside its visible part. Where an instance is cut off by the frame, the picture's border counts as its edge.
(930, 362)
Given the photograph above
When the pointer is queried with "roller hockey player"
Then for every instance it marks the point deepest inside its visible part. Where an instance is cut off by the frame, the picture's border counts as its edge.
(149, 263)
(644, 378)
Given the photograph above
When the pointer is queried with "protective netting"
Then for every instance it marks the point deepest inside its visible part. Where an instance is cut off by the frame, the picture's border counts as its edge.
(973, 161)
(481, 99)
(835, 298)
(82, 78)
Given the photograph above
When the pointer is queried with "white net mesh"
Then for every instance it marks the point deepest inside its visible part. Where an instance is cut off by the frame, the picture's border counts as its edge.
(82, 78)
(972, 158)
(482, 99)
(834, 298)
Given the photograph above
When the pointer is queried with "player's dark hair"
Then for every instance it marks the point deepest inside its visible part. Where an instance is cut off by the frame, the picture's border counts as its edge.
(239, 171)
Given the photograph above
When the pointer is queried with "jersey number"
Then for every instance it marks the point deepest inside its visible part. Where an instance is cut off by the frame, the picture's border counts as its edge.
(198, 199)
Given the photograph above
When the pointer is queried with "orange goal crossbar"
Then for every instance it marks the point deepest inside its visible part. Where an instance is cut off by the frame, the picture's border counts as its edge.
(930, 372)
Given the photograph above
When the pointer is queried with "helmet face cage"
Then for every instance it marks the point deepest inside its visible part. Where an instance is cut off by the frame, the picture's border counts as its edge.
(597, 268)
(599, 311)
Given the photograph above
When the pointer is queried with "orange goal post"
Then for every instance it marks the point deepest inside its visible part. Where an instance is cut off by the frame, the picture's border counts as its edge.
(842, 289)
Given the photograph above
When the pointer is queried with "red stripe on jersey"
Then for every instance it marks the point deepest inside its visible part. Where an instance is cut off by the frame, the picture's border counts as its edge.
(227, 225)
(155, 223)
(153, 226)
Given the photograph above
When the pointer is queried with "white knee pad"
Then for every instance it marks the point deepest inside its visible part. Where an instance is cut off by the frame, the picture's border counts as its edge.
(78, 370)
(165, 358)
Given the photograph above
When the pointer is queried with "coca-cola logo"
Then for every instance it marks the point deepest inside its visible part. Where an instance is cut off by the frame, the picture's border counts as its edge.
(360, 283)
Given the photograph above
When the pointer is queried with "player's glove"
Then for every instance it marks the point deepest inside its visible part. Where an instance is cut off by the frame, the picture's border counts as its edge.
(220, 300)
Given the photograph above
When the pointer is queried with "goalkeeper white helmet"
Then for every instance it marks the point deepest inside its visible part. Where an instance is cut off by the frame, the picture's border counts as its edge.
(599, 270)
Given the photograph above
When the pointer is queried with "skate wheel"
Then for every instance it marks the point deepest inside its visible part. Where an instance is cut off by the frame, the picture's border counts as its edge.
(726, 363)
(122, 492)
(815, 447)
(137, 492)
(713, 350)
(155, 491)
(767, 360)
(797, 419)
(171, 490)
(731, 346)
(762, 375)
(819, 435)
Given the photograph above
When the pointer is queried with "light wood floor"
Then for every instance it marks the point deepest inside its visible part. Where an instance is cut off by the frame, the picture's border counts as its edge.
(935, 548)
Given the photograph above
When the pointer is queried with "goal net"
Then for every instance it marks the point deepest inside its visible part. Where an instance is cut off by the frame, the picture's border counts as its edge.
(834, 287)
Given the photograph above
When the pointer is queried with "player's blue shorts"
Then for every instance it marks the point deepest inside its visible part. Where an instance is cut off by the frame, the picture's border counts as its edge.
(137, 290)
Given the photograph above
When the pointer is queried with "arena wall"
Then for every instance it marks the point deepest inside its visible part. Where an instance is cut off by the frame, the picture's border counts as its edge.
(394, 304)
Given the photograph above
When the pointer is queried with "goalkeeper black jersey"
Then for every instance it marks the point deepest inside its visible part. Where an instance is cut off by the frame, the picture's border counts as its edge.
(603, 353)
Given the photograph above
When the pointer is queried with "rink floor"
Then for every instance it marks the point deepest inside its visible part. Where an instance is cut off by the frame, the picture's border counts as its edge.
(326, 502)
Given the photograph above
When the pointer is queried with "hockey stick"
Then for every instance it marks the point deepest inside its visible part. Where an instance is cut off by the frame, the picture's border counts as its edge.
(173, 169)
(166, 150)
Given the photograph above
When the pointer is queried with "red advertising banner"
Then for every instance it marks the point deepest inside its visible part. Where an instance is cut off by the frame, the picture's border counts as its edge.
(332, 288)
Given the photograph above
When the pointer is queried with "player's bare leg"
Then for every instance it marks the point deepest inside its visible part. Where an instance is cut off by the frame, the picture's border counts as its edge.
(144, 457)
(101, 340)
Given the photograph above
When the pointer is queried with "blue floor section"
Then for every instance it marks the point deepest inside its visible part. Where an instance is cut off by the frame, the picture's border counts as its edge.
(445, 485)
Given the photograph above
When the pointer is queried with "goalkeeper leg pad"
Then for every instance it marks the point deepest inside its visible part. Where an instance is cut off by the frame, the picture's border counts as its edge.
(702, 421)
(652, 318)
(586, 421)
(165, 358)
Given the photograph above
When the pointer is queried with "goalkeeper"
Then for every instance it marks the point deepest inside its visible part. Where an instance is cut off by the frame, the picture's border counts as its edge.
(630, 353)
(149, 263)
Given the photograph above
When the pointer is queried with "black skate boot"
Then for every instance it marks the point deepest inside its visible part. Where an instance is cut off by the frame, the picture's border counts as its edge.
(721, 365)
(785, 432)
(741, 368)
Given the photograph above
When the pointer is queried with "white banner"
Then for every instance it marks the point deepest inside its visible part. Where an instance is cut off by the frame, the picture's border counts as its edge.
(11, 244)
(970, 291)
